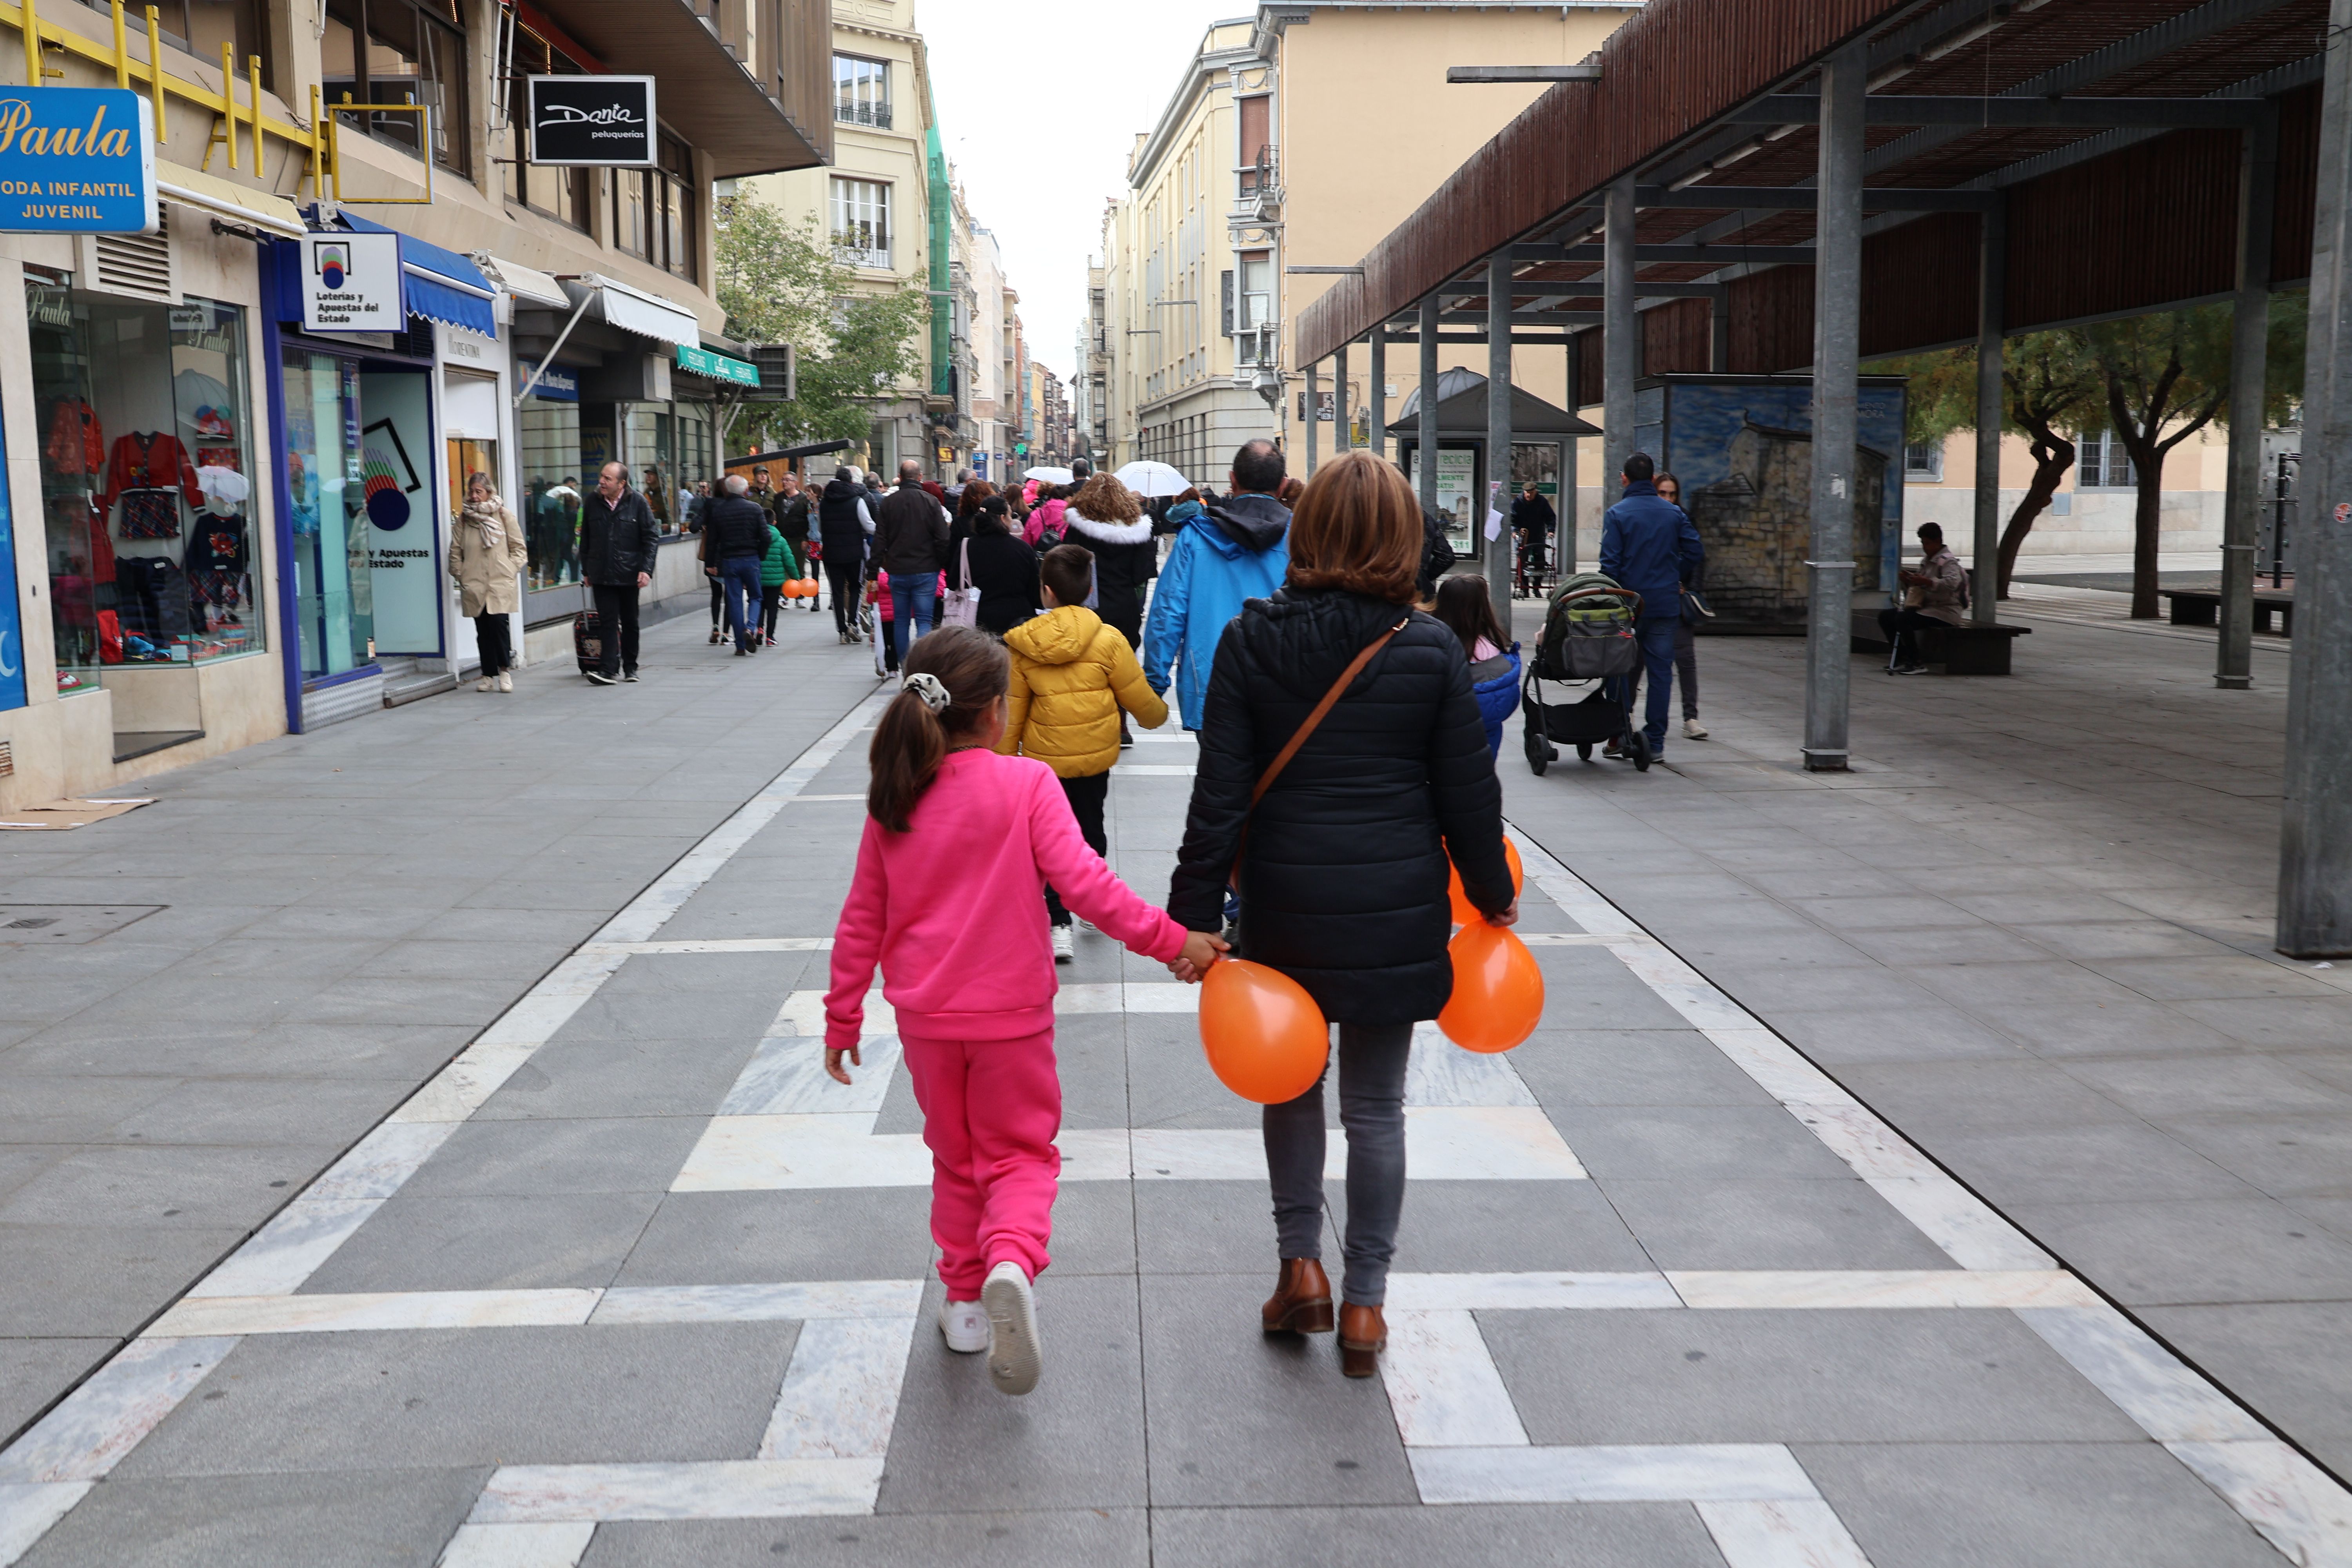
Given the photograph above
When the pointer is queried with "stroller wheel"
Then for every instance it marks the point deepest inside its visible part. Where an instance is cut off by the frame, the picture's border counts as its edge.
(1637, 751)
(1583, 752)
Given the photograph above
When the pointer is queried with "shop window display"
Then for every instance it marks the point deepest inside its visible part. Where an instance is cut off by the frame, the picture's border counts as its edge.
(326, 496)
(671, 449)
(552, 489)
(145, 459)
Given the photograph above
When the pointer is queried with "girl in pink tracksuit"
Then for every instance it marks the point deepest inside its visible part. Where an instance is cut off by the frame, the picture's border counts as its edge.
(948, 900)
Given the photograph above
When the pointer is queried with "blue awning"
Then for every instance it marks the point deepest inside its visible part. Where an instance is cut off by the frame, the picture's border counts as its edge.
(439, 285)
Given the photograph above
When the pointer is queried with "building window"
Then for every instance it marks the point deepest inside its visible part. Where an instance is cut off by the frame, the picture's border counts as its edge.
(656, 212)
(861, 92)
(1254, 154)
(861, 222)
(2103, 464)
(1253, 304)
(559, 193)
(1924, 461)
(415, 52)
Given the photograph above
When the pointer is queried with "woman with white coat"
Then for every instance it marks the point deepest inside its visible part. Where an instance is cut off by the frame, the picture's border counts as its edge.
(486, 552)
(1108, 518)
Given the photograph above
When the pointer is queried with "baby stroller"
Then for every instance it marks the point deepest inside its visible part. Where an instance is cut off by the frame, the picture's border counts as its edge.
(1588, 635)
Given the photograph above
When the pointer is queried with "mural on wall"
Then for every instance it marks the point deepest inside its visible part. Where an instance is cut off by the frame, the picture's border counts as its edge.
(1744, 452)
(404, 551)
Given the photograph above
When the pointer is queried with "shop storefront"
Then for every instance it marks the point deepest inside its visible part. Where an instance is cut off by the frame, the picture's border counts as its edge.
(360, 404)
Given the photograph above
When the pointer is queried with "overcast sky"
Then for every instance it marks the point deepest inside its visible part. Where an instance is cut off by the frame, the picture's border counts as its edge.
(1039, 101)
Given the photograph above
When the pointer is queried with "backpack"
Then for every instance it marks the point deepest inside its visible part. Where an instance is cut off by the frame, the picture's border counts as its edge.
(1437, 557)
(1588, 631)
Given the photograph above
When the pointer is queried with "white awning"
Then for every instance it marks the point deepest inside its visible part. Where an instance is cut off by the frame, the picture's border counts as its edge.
(227, 199)
(523, 283)
(634, 310)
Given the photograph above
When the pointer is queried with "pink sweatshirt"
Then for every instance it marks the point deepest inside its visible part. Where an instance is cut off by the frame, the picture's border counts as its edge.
(953, 909)
(1048, 516)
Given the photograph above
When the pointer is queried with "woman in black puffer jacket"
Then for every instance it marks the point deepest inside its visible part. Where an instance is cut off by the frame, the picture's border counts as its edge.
(1343, 877)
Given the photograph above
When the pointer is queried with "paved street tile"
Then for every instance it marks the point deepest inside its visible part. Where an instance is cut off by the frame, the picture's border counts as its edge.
(727, 1239)
(345, 1519)
(1767, 1223)
(1606, 1535)
(489, 1243)
(1024, 1538)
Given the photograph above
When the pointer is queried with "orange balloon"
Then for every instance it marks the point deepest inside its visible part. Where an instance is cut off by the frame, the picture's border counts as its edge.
(808, 587)
(1265, 1036)
(1498, 990)
(1464, 912)
(791, 589)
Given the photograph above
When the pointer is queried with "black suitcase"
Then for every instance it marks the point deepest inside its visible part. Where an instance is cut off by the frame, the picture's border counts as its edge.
(588, 641)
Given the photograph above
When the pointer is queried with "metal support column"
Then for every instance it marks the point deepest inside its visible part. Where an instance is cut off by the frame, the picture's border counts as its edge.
(1314, 414)
(1376, 396)
(2315, 918)
(1564, 546)
(1620, 338)
(1718, 333)
(1993, 305)
(1342, 436)
(1427, 434)
(2242, 507)
(1498, 551)
(1837, 331)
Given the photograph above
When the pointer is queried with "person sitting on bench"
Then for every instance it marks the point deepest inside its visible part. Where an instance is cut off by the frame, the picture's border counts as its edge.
(1935, 595)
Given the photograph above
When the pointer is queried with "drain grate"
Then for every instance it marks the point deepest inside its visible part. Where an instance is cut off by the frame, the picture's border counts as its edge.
(50, 923)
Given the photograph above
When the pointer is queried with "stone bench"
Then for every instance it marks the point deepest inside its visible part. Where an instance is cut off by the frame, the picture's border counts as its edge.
(2202, 607)
(1959, 650)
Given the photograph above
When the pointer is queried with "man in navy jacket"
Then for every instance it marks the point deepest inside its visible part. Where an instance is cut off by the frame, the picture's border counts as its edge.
(1649, 545)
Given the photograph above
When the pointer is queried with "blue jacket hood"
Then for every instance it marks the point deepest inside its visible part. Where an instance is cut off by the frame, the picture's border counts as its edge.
(1244, 523)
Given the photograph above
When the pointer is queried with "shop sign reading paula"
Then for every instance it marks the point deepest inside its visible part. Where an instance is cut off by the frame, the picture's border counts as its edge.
(77, 160)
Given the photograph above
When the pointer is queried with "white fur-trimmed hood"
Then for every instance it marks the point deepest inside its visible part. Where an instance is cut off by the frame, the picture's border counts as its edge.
(1134, 533)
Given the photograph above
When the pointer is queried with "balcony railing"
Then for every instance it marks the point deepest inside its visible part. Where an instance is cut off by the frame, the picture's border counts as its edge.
(877, 115)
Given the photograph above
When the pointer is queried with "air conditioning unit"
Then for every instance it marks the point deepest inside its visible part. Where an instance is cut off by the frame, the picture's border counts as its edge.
(779, 373)
(136, 266)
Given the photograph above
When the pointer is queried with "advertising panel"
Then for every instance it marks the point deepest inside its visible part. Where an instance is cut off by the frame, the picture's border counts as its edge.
(77, 160)
(404, 563)
(350, 283)
(599, 122)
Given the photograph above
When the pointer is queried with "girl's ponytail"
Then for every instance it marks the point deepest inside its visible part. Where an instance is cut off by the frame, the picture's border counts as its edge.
(952, 677)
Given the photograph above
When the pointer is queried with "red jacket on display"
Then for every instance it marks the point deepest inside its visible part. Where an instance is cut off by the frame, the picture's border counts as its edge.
(157, 461)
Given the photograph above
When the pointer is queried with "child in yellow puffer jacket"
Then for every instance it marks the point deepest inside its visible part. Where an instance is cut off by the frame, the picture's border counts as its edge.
(1071, 676)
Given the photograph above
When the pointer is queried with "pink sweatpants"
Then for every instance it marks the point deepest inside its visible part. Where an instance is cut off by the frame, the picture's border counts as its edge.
(990, 1109)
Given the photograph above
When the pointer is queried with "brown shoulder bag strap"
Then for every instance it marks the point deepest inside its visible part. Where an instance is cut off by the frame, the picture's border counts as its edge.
(1322, 710)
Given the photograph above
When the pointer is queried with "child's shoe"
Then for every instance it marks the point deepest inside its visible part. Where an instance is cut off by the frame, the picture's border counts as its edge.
(964, 1326)
(1012, 1357)
(1065, 945)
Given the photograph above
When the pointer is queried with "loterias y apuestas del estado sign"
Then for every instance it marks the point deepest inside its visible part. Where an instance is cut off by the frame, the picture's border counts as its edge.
(77, 160)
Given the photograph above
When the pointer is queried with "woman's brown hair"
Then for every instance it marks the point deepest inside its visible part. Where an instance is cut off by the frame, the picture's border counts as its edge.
(1103, 499)
(912, 739)
(974, 492)
(1357, 526)
(1468, 612)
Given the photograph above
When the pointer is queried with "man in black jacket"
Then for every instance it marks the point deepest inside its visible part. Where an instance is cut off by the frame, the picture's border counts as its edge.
(619, 542)
(844, 525)
(910, 541)
(735, 531)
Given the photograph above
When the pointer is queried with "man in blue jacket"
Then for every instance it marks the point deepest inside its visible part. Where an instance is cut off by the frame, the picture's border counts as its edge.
(1238, 549)
(1649, 545)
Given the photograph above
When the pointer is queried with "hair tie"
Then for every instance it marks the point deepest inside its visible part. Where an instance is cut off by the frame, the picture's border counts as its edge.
(929, 690)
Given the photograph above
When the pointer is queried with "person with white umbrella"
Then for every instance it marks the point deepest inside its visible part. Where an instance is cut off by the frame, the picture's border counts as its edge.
(1150, 480)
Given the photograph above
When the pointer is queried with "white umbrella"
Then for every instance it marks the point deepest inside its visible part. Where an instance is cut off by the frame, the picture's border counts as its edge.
(1147, 477)
(1048, 476)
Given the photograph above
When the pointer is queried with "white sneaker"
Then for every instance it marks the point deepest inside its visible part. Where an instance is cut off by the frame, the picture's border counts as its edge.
(1065, 946)
(1012, 1356)
(484, 684)
(506, 681)
(964, 1326)
(1693, 730)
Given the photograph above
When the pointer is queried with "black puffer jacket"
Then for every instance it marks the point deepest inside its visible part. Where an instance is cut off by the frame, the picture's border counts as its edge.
(1343, 876)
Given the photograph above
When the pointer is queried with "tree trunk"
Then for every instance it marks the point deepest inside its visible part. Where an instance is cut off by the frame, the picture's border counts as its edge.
(2047, 473)
(2147, 511)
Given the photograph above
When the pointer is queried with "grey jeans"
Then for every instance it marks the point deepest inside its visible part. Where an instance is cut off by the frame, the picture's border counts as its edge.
(1373, 1058)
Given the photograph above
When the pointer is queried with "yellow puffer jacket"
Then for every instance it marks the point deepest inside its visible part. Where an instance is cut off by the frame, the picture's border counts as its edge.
(1071, 675)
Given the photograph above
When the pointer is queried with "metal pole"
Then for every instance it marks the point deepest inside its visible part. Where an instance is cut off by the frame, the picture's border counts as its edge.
(2241, 511)
(1837, 323)
(1428, 429)
(1992, 306)
(1376, 396)
(2315, 909)
(1565, 546)
(1621, 340)
(1498, 551)
(1342, 435)
(1314, 414)
(1719, 331)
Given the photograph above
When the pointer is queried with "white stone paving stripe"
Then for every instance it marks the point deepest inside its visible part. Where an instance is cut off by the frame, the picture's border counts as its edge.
(1665, 1472)
(1153, 770)
(841, 1389)
(1442, 1385)
(374, 1167)
(799, 1301)
(377, 1312)
(92, 1427)
(2148, 1383)
(27, 1509)
(1959, 1222)
(1531, 1292)
(276, 1258)
(786, 1074)
(1785, 1289)
(1787, 1532)
(726, 1488)
(2297, 1506)
(555, 1544)
(715, 944)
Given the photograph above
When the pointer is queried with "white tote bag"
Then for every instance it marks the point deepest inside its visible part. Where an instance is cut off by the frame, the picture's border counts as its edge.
(961, 606)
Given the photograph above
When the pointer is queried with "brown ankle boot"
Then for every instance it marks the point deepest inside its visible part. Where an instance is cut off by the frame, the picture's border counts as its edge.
(1301, 1302)
(1362, 1336)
